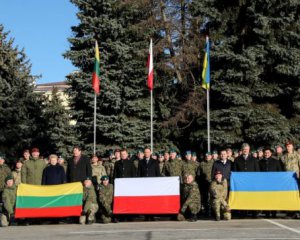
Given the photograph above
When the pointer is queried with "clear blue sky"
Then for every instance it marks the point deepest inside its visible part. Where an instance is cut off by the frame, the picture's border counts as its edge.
(41, 27)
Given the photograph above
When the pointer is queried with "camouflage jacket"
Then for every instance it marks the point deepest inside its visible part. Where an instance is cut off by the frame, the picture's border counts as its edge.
(89, 197)
(9, 196)
(190, 195)
(4, 172)
(205, 169)
(189, 168)
(97, 172)
(17, 176)
(174, 168)
(291, 162)
(106, 194)
(219, 190)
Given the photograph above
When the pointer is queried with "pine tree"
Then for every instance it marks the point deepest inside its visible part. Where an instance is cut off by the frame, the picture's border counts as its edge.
(254, 71)
(20, 121)
(123, 106)
(59, 132)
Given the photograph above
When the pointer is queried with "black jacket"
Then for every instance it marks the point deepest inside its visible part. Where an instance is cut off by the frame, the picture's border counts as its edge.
(124, 169)
(148, 170)
(270, 165)
(80, 171)
(246, 165)
(53, 174)
(225, 169)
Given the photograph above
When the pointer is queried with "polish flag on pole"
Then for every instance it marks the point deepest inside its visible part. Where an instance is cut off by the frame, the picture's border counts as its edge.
(151, 195)
(150, 67)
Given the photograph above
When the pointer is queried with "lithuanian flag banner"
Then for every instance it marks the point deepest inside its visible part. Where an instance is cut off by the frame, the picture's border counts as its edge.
(35, 201)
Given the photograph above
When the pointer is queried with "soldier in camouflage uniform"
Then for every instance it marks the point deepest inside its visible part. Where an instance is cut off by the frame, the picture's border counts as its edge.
(190, 199)
(204, 181)
(17, 172)
(110, 164)
(215, 155)
(174, 167)
(166, 156)
(161, 164)
(9, 196)
(98, 170)
(189, 167)
(219, 191)
(291, 159)
(90, 205)
(26, 156)
(278, 152)
(106, 195)
(4, 172)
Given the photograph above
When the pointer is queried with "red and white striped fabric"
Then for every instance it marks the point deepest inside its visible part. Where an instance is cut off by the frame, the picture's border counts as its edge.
(150, 67)
(155, 195)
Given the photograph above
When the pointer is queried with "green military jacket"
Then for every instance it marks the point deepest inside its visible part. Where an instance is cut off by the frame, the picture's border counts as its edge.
(174, 167)
(109, 168)
(89, 197)
(106, 195)
(291, 162)
(219, 190)
(189, 168)
(205, 169)
(32, 171)
(4, 172)
(162, 168)
(190, 196)
(97, 172)
(9, 196)
(17, 176)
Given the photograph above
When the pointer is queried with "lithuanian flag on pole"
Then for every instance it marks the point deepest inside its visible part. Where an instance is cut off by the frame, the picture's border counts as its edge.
(96, 72)
(35, 201)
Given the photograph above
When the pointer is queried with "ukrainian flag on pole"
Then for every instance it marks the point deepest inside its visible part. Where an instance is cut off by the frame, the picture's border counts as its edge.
(206, 67)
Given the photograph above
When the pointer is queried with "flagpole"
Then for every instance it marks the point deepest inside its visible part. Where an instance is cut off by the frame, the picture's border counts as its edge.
(151, 120)
(208, 119)
(95, 108)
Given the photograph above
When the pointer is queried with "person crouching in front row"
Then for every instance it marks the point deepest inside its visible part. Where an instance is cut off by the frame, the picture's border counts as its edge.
(9, 195)
(90, 205)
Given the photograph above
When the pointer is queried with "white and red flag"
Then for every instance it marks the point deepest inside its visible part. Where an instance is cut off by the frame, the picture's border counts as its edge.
(151, 195)
(150, 68)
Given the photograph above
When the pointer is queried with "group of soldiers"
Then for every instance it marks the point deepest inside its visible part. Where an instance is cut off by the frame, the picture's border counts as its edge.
(204, 184)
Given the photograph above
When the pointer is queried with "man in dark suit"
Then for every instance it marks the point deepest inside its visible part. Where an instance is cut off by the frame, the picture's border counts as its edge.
(79, 167)
(222, 165)
(268, 163)
(124, 168)
(148, 167)
(245, 162)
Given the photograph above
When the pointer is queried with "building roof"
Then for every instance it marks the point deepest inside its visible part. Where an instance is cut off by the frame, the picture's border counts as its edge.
(47, 87)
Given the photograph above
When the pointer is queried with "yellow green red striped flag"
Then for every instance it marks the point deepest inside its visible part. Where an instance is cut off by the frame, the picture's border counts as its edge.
(96, 72)
(35, 201)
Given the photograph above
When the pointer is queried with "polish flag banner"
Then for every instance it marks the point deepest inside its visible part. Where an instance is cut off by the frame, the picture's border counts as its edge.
(151, 195)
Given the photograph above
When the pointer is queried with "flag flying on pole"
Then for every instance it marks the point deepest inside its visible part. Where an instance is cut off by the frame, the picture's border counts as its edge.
(35, 201)
(206, 67)
(149, 195)
(96, 72)
(150, 68)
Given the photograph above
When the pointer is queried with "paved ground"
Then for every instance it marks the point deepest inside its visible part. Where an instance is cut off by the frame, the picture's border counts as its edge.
(242, 229)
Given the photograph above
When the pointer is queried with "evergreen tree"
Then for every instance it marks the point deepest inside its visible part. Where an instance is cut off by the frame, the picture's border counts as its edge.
(254, 71)
(59, 132)
(20, 121)
(123, 106)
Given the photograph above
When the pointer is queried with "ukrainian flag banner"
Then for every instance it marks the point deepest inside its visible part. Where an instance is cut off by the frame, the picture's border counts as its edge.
(264, 191)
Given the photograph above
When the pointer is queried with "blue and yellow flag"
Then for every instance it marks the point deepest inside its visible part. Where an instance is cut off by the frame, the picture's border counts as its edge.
(264, 191)
(206, 67)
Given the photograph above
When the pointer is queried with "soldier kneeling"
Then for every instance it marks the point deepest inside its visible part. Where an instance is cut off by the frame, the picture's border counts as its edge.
(190, 200)
(9, 195)
(106, 193)
(90, 205)
(219, 192)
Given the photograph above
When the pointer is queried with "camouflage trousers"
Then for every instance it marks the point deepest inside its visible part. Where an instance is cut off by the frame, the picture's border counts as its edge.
(193, 208)
(219, 207)
(4, 220)
(105, 214)
(90, 211)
